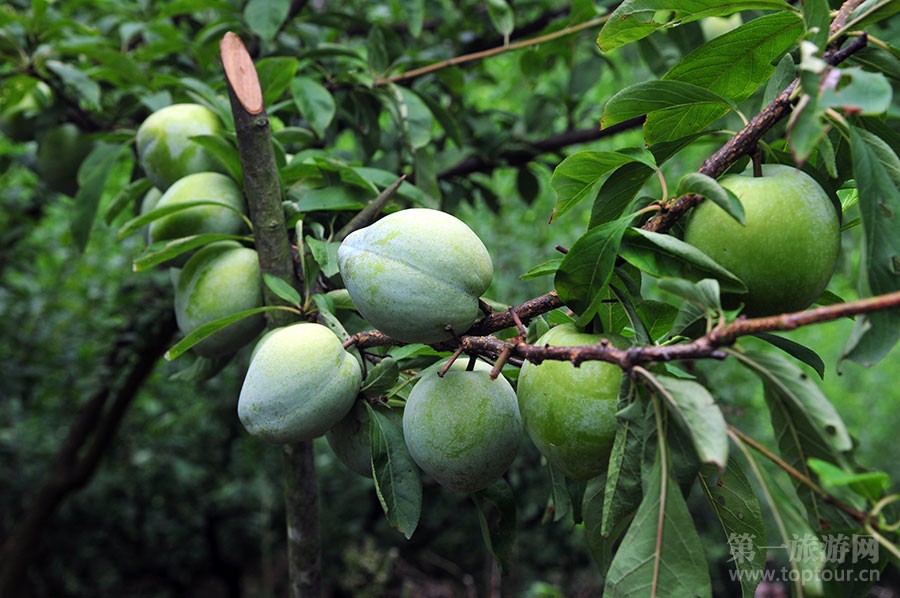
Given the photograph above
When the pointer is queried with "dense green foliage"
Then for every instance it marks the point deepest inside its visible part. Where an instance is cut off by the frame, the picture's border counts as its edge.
(185, 502)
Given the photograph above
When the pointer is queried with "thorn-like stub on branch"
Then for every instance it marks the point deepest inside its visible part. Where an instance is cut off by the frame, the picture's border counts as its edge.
(241, 73)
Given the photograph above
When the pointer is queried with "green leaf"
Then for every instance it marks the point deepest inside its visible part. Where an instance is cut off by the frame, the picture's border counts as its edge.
(139, 222)
(265, 17)
(587, 268)
(497, 516)
(734, 502)
(700, 417)
(126, 197)
(805, 424)
(544, 269)
(795, 350)
(325, 254)
(876, 169)
(396, 477)
(206, 330)
(92, 177)
(636, 19)
(733, 66)
(785, 72)
(704, 293)
(314, 102)
(648, 96)
(870, 12)
(578, 176)
(86, 89)
(658, 317)
(641, 335)
(858, 92)
(326, 315)
(502, 17)
(560, 504)
(283, 289)
(654, 559)
(225, 152)
(708, 187)
(666, 256)
(275, 76)
(626, 181)
(817, 20)
(623, 491)
(381, 378)
(601, 545)
(163, 251)
(414, 117)
(868, 484)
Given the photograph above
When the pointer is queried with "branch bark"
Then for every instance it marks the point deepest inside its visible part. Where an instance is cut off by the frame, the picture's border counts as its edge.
(261, 185)
(139, 347)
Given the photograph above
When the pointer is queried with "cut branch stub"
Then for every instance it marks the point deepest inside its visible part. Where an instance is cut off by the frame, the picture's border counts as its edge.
(241, 73)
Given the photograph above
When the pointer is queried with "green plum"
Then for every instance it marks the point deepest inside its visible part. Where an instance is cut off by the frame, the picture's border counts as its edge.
(301, 383)
(414, 272)
(464, 429)
(787, 251)
(202, 186)
(219, 280)
(164, 146)
(351, 440)
(570, 412)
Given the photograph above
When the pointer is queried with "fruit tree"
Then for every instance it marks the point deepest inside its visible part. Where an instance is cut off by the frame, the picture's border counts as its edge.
(315, 199)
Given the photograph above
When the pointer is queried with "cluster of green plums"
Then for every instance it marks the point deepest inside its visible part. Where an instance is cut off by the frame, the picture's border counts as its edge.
(417, 275)
(221, 278)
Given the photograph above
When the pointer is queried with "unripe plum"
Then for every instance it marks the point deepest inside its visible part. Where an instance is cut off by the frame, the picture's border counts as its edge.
(301, 383)
(464, 429)
(413, 272)
(165, 149)
(570, 412)
(787, 251)
(219, 280)
(203, 186)
(351, 438)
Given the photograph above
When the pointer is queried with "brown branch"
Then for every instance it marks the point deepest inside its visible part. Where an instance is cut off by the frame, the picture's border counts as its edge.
(456, 60)
(262, 188)
(137, 351)
(523, 155)
(744, 142)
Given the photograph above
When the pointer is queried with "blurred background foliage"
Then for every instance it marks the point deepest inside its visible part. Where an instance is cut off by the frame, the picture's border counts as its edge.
(186, 503)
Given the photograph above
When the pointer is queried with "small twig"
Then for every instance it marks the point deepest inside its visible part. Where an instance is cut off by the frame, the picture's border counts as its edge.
(456, 60)
(501, 361)
(446, 367)
(368, 214)
(799, 476)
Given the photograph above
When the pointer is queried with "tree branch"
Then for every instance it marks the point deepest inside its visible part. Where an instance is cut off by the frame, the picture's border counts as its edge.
(553, 143)
(708, 346)
(744, 142)
(456, 60)
(261, 185)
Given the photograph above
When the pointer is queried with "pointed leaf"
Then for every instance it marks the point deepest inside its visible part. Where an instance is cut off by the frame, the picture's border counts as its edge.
(736, 507)
(381, 378)
(283, 289)
(545, 269)
(654, 559)
(577, 177)
(497, 516)
(92, 177)
(700, 417)
(795, 350)
(623, 482)
(666, 256)
(876, 169)
(314, 102)
(648, 96)
(396, 477)
(636, 19)
(708, 187)
(587, 268)
(210, 328)
(163, 251)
